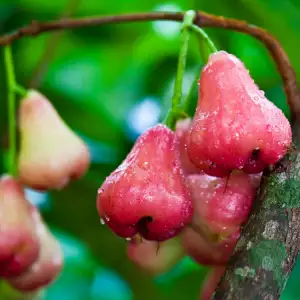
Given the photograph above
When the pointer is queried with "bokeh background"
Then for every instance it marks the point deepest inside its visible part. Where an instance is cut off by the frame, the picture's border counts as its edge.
(110, 83)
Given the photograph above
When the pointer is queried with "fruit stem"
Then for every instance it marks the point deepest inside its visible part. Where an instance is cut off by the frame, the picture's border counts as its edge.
(20, 90)
(188, 20)
(187, 101)
(11, 98)
(205, 43)
(207, 47)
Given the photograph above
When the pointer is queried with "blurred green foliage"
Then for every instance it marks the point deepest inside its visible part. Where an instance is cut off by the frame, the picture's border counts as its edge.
(110, 83)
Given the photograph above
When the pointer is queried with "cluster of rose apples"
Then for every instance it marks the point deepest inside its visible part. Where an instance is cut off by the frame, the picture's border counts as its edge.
(50, 155)
(189, 191)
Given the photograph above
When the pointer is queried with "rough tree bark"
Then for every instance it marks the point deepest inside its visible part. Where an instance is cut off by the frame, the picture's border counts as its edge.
(270, 242)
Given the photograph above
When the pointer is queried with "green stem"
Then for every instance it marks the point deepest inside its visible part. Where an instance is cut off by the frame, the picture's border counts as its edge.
(204, 52)
(21, 91)
(187, 22)
(177, 94)
(12, 127)
(205, 42)
(207, 47)
(186, 103)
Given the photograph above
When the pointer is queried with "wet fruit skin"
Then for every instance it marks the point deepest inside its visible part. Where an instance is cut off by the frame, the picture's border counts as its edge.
(182, 130)
(19, 245)
(206, 252)
(235, 126)
(221, 205)
(147, 194)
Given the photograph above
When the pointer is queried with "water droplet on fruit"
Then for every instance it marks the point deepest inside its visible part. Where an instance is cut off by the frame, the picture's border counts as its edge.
(146, 181)
(145, 165)
(246, 207)
(128, 239)
(256, 99)
(102, 222)
(268, 128)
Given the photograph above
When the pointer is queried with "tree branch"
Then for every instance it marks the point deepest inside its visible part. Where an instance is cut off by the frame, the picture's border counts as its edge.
(270, 243)
(268, 248)
(202, 20)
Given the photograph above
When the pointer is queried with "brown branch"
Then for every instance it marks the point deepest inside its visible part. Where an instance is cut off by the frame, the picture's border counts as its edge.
(268, 248)
(202, 20)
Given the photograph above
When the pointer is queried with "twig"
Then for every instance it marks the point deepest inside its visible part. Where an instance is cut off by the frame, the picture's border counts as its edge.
(202, 20)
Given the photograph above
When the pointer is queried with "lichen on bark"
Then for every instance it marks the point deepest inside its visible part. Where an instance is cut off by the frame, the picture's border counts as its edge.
(270, 241)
